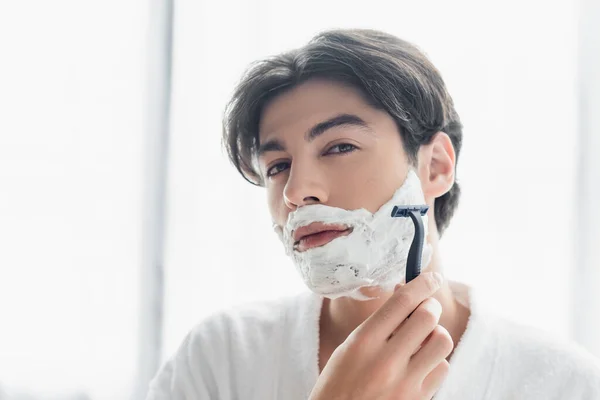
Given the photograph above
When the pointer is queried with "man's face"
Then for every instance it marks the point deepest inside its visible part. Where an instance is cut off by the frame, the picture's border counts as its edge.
(321, 143)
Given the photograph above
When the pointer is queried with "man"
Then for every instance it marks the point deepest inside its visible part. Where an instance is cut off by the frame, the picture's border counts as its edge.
(338, 132)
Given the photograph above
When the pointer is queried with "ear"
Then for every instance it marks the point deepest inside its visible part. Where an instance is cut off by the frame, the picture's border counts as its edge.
(437, 163)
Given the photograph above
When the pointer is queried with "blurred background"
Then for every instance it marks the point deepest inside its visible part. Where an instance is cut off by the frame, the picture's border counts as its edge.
(122, 224)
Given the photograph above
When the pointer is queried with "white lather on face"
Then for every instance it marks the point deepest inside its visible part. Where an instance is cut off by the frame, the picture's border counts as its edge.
(373, 254)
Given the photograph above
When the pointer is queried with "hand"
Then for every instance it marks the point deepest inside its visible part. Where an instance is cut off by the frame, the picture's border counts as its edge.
(391, 356)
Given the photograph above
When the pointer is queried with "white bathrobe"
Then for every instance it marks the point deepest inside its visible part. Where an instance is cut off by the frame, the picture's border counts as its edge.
(270, 351)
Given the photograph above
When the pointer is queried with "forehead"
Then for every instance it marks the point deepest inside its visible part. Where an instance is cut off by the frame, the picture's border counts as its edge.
(311, 102)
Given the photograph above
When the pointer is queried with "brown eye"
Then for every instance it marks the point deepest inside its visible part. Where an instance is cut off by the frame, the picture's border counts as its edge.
(342, 148)
(277, 168)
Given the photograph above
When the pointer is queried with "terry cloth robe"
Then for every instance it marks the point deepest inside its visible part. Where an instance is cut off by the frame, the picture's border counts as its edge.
(269, 350)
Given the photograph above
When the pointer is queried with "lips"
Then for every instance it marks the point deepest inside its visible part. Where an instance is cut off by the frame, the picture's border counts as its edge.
(317, 235)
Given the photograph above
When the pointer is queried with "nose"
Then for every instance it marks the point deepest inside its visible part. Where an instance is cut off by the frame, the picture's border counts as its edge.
(304, 187)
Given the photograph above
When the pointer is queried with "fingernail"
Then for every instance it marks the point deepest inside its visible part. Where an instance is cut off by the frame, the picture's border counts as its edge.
(434, 306)
(398, 286)
(438, 278)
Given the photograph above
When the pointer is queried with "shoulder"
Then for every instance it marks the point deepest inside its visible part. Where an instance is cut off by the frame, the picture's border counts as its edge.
(541, 363)
(221, 350)
(251, 323)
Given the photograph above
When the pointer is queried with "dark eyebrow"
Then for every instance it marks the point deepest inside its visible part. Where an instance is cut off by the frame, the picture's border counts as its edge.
(315, 131)
(340, 120)
(271, 145)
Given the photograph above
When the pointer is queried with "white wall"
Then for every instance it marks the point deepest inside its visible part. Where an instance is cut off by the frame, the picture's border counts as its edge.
(586, 301)
(70, 182)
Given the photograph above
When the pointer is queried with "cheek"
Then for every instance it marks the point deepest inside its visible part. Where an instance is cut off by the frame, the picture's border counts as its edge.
(377, 191)
(355, 186)
(376, 181)
(276, 204)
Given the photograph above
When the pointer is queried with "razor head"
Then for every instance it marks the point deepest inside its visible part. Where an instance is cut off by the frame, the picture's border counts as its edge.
(405, 211)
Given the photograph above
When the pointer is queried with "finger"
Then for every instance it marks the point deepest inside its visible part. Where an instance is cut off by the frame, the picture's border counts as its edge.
(434, 380)
(417, 328)
(386, 319)
(422, 344)
(438, 347)
(400, 327)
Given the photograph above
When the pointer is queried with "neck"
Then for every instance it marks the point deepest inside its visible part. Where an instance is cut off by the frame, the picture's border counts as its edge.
(339, 317)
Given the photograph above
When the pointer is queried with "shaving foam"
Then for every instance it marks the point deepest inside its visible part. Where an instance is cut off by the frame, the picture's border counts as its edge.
(373, 254)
